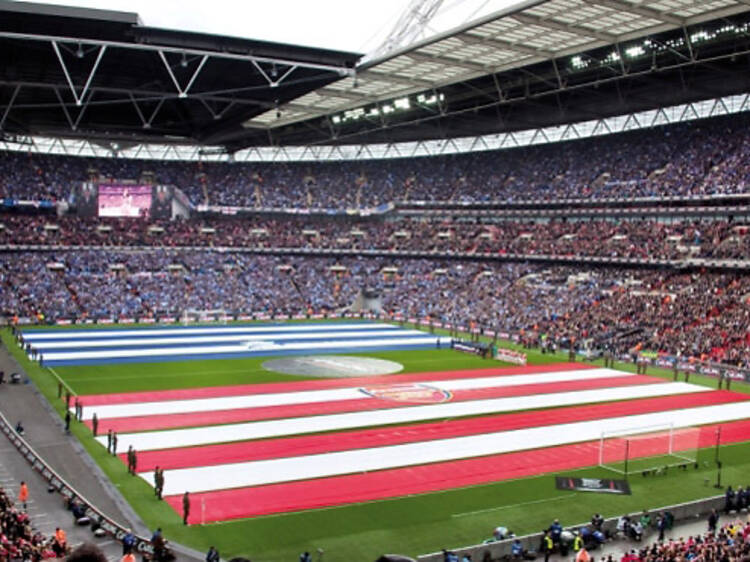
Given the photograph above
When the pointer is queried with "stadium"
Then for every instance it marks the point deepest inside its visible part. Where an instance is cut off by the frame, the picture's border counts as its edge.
(265, 301)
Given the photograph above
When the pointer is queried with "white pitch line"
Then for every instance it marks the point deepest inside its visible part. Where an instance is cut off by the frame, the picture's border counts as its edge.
(512, 506)
(266, 346)
(255, 473)
(311, 396)
(151, 440)
(33, 336)
(331, 336)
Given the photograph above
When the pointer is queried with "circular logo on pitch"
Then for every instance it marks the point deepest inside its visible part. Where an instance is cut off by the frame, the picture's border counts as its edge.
(409, 392)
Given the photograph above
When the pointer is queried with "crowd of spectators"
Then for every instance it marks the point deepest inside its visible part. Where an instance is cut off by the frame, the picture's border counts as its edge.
(635, 239)
(729, 543)
(155, 268)
(18, 541)
(700, 157)
(699, 314)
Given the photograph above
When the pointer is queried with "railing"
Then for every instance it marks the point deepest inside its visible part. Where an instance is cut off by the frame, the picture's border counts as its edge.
(489, 257)
(105, 522)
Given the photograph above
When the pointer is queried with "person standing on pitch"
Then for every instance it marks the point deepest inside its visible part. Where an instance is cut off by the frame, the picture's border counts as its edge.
(156, 482)
(109, 441)
(114, 443)
(94, 424)
(130, 459)
(185, 507)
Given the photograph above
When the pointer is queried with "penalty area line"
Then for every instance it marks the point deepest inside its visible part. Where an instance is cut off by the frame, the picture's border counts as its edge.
(502, 507)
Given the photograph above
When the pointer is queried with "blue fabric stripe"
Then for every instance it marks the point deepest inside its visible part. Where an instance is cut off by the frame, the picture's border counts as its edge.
(252, 329)
(171, 358)
(324, 337)
(64, 329)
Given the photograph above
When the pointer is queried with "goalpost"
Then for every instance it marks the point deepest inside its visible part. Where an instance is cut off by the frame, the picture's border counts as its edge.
(649, 448)
(192, 316)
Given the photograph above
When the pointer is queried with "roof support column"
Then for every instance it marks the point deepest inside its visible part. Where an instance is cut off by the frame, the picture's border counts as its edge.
(78, 99)
(180, 92)
(9, 106)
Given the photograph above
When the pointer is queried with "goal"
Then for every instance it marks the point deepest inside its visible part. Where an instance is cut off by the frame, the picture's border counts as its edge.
(651, 448)
(192, 316)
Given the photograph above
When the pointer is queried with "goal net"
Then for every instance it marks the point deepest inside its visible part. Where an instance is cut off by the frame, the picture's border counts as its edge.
(649, 448)
(193, 316)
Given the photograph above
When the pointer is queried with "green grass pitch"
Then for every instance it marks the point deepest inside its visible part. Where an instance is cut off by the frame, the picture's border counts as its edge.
(412, 525)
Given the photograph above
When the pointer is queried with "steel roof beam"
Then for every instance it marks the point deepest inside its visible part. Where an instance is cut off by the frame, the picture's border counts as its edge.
(472, 39)
(73, 90)
(339, 69)
(425, 57)
(141, 95)
(401, 80)
(147, 122)
(9, 106)
(568, 28)
(183, 92)
(641, 10)
(329, 92)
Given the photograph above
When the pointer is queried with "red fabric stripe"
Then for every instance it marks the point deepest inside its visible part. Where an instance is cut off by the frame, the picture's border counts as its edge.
(216, 417)
(354, 488)
(244, 451)
(318, 384)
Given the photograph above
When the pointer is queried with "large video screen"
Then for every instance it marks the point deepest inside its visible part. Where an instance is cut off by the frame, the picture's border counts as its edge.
(124, 200)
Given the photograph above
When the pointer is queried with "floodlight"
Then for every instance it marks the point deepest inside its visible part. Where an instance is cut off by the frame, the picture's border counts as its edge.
(402, 103)
(636, 51)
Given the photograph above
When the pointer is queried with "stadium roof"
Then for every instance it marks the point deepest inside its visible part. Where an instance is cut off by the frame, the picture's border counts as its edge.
(77, 72)
(538, 64)
(522, 35)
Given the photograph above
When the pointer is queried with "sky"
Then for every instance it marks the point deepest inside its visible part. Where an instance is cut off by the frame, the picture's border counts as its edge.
(347, 25)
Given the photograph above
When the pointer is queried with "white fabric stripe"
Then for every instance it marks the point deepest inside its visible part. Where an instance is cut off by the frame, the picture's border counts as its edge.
(255, 473)
(32, 336)
(330, 335)
(314, 424)
(266, 345)
(306, 397)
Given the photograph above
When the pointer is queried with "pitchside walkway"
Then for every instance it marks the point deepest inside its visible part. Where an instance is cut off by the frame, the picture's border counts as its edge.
(617, 548)
(46, 510)
(44, 432)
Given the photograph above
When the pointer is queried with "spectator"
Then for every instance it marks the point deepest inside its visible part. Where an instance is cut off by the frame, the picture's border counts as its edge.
(87, 552)
(555, 530)
(713, 520)
(212, 555)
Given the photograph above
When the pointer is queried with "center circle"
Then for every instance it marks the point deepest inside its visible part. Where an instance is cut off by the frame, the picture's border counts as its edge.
(332, 366)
